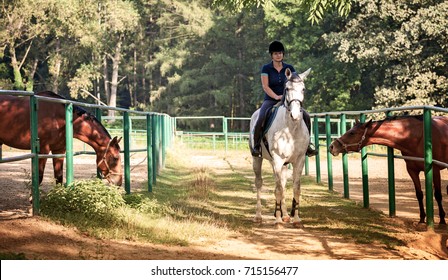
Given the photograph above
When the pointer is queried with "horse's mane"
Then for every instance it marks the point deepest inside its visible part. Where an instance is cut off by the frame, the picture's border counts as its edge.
(77, 109)
(395, 118)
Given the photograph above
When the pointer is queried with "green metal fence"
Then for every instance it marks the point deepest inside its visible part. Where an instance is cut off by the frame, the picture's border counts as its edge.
(159, 130)
(390, 155)
(190, 130)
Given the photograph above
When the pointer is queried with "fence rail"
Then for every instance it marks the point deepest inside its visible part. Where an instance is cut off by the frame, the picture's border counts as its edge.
(323, 125)
(428, 160)
(159, 135)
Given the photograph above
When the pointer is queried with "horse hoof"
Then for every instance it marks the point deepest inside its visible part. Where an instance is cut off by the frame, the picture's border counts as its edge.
(279, 226)
(258, 220)
(286, 219)
(421, 227)
(297, 225)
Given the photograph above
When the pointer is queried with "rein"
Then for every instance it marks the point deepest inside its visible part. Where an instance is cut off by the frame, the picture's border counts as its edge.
(345, 146)
(103, 160)
(288, 103)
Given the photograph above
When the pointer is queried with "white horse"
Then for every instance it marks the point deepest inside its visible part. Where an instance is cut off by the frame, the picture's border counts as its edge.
(288, 139)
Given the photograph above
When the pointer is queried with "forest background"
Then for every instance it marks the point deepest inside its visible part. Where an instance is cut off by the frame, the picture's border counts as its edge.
(203, 57)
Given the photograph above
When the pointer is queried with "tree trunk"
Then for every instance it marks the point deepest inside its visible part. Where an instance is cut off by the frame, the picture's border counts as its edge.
(18, 79)
(56, 72)
(106, 79)
(133, 88)
(114, 80)
(30, 78)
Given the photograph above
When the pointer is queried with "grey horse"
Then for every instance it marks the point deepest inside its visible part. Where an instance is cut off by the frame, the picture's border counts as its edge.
(287, 141)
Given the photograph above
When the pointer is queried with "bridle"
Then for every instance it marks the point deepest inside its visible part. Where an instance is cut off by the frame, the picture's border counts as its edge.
(359, 144)
(287, 103)
(103, 160)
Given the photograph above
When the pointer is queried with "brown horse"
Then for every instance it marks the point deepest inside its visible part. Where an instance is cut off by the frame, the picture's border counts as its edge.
(15, 132)
(406, 135)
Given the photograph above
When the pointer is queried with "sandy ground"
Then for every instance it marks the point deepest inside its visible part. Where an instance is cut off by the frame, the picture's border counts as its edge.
(40, 239)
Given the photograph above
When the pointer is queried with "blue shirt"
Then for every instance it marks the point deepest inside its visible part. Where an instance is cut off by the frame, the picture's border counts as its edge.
(276, 79)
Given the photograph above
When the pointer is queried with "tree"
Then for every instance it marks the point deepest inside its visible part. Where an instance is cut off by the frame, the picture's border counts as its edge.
(21, 23)
(400, 49)
(315, 8)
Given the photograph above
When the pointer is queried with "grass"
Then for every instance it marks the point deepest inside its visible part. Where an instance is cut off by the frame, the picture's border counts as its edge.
(194, 202)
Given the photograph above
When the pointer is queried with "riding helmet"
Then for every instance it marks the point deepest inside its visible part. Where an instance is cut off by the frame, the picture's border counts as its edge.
(276, 46)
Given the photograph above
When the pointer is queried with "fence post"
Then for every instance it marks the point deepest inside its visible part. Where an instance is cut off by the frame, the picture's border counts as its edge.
(316, 145)
(329, 158)
(98, 115)
(155, 147)
(35, 146)
(149, 150)
(224, 130)
(365, 172)
(69, 143)
(343, 129)
(163, 137)
(127, 165)
(391, 178)
(428, 167)
(307, 166)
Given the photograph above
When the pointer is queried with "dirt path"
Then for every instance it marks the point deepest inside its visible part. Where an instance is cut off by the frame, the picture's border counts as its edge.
(41, 239)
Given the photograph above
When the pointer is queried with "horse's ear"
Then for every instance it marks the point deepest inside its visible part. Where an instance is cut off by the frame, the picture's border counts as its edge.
(305, 74)
(369, 123)
(116, 140)
(356, 121)
(288, 73)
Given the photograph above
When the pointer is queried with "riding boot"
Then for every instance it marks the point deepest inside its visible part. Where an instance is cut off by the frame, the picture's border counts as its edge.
(256, 149)
(310, 150)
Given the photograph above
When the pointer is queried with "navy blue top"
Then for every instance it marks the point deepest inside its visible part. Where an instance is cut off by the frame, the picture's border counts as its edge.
(276, 79)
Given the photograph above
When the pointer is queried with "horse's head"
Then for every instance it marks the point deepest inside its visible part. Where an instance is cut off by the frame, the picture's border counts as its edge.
(353, 140)
(294, 92)
(109, 163)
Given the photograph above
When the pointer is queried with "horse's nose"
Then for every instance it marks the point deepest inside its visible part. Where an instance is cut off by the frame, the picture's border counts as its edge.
(333, 150)
(119, 181)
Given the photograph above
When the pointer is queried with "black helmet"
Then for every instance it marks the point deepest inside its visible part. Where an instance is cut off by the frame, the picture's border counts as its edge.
(276, 46)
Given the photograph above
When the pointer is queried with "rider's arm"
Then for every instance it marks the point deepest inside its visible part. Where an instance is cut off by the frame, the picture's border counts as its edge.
(267, 89)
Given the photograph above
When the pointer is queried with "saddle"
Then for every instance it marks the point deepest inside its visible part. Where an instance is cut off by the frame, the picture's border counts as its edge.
(268, 120)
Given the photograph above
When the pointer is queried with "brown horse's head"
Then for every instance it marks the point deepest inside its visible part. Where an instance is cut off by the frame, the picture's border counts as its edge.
(352, 141)
(109, 164)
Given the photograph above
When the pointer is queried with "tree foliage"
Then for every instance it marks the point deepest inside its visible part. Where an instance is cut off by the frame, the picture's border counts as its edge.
(401, 47)
(203, 57)
(315, 9)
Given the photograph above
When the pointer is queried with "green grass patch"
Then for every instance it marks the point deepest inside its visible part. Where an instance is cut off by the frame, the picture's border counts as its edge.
(192, 202)
(12, 256)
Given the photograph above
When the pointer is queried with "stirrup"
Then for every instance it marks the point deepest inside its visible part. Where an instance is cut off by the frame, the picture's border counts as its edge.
(310, 151)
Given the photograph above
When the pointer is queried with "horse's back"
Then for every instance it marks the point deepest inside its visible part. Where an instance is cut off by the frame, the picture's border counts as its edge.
(440, 138)
(15, 120)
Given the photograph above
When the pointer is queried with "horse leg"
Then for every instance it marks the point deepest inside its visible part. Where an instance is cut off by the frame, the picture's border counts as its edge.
(58, 165)
(438, 195)
(418, 191)
(281, 214)
(44, 150)
(297, 171)
(256, 165)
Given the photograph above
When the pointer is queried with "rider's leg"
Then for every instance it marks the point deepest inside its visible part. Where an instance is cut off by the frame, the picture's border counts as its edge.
(306, 118)
(258, 129)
